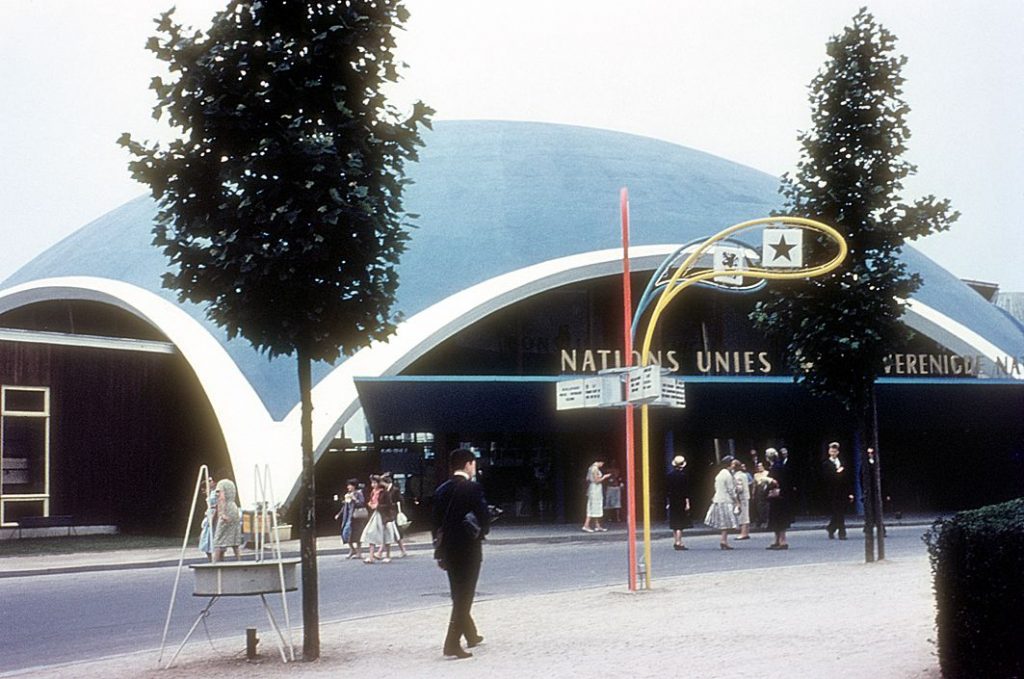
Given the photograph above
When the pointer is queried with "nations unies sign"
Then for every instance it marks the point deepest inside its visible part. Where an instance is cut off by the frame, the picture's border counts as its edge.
(760, 362)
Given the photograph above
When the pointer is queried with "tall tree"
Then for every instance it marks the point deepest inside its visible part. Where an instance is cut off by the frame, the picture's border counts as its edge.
(837, 329)
(280, 198)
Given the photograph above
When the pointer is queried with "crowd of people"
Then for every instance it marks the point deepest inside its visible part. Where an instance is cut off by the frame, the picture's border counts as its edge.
(765, 498)
(769, 492)
(372, 516)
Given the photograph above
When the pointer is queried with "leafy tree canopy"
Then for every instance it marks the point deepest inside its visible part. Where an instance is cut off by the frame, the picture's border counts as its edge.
(280, 201)
(837, 329)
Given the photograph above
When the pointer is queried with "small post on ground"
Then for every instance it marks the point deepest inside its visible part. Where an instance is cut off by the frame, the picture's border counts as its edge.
(879, 523)
(251, 641)
(868, 489)
(876, 479)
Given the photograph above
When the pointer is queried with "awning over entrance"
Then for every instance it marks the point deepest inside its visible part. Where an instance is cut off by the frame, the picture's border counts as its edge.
(716, 406)
(438, 403)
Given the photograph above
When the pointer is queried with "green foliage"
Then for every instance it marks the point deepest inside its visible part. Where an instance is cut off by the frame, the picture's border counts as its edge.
(837, 329)
(280, 200)
(977, 558)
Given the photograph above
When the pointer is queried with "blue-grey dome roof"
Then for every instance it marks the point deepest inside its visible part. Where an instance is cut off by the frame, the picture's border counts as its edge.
(497, 196)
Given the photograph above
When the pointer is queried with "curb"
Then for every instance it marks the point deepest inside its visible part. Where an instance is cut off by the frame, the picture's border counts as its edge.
(561, 538)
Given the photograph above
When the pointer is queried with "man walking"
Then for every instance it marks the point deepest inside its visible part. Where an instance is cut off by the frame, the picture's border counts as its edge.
(460, 522)
(835, 485)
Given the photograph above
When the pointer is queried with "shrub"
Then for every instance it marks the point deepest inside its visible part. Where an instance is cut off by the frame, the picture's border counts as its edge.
(977, 560)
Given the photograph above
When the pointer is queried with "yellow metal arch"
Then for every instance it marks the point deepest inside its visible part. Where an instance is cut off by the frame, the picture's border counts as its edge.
(682, 279)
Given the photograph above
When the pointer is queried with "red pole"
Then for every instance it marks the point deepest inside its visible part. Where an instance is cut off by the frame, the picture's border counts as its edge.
(627, 322)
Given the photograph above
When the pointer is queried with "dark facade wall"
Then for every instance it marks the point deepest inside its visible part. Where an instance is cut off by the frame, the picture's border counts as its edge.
(128, 431)
(950, 444)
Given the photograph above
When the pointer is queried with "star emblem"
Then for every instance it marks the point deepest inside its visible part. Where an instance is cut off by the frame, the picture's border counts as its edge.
(782, 248)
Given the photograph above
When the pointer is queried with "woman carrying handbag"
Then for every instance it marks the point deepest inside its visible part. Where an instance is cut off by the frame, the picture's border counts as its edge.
(353, 516)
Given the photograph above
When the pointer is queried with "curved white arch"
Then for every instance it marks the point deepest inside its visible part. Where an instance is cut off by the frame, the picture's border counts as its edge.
(953, 335)
(248, 429)
(251, 434)
(427, 329)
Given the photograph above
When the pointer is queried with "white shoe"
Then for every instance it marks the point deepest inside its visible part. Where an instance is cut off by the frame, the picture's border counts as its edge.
(587, 529)
(601, 530)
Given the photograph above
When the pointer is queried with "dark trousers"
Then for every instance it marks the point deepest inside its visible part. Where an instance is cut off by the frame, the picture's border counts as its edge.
(463, 573)
(837, 522)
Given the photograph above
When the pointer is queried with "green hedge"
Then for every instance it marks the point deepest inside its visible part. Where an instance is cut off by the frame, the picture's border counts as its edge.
(977, 560)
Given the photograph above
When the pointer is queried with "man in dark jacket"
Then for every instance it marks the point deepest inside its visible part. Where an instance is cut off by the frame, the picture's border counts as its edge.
(838, 496)
(460, 520)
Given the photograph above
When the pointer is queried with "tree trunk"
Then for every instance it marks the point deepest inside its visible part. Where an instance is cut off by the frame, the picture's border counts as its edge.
(876, 480)
(862, 439)
(307, 528)
(870, 481)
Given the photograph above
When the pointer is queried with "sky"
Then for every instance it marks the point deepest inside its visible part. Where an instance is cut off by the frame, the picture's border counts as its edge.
(727, 77)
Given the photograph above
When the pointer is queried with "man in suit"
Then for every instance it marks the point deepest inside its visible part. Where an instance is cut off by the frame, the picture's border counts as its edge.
(458, 550)
(835, 485)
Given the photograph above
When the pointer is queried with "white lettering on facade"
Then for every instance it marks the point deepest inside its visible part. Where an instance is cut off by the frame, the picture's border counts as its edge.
(588, 361)
(733, 362)
(753, 362)
(1009, 365)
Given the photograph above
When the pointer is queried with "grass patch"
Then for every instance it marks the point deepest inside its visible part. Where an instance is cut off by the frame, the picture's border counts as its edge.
(84, 543)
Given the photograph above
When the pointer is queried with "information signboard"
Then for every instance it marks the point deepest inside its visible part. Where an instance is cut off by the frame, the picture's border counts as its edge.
(569, 394)
(673, 392)
(603, 390)
(645, 383)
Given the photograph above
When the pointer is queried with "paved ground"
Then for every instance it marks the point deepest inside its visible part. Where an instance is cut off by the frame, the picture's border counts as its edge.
(787, 621)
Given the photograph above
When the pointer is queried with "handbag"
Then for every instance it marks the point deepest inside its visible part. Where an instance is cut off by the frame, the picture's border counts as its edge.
(360, 513)
(401, 520)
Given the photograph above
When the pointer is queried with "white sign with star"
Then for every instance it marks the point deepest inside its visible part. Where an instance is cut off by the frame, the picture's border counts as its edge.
(783, 248)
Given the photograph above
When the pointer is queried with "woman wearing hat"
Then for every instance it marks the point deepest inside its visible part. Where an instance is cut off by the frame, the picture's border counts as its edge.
(677, 490)
(725, 505)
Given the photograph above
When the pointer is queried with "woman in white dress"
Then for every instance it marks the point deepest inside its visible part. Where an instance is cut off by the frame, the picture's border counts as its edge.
(725, 506)
(209, 521)
(373, 533)
(743, 495)
(595, 498)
